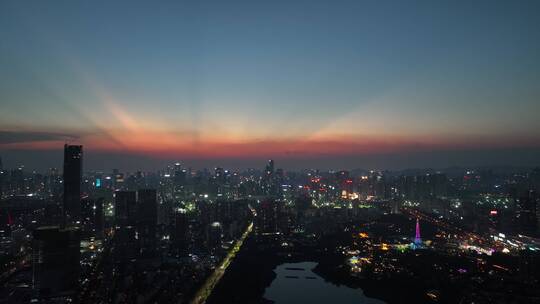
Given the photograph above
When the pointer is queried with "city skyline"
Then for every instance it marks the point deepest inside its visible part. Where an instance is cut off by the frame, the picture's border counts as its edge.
(256, 152)
(309, 84)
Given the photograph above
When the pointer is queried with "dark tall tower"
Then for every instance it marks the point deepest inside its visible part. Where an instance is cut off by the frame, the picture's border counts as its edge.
(180, 232)
(125, 237)
(125, 208)
(269, 178)
(1, 178)
(72, 183)
(147, 219)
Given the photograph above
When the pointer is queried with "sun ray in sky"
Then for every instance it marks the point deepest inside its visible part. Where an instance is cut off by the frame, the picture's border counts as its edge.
(279, 80)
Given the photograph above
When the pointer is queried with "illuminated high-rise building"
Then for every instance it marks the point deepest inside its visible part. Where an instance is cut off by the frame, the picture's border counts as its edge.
(179, 177)
(72, 183)
(92, 217)
(269, 178)
(213, 235)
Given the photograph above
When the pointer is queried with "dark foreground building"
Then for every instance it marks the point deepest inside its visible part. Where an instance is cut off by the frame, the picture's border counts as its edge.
(56, 256)
(147, 220)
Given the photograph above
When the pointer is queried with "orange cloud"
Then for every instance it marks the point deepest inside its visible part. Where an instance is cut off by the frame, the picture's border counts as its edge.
(178, 144)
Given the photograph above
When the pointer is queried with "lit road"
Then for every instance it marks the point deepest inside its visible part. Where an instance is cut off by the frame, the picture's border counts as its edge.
(206, 289)
(90, 294)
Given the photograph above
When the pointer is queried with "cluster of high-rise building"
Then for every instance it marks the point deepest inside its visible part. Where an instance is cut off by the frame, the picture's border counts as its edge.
(84, 232)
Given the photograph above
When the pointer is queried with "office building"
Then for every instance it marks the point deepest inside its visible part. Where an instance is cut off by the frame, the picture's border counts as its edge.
(56, 255)
(72, 183)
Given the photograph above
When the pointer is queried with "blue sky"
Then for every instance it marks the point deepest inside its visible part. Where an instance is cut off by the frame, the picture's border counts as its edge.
(270, 77)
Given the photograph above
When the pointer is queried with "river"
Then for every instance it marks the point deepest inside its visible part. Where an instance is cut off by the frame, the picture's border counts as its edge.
(297, 283)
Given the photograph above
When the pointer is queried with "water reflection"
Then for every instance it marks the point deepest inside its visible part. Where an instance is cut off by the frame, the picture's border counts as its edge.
(296, 283)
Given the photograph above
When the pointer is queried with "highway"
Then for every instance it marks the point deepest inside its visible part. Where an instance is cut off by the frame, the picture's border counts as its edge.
(206, 289)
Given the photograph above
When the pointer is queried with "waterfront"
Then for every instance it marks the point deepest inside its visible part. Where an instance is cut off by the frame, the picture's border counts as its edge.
(297, 283)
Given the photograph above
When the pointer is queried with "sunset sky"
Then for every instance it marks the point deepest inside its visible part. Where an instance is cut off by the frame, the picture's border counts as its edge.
(346, 84)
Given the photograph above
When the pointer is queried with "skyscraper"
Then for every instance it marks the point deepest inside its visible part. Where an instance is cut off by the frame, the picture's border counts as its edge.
(125, 208)
(270, 167)
(125, 236)
(147, 219)
(213, 236)
(56, 260)
(1, 178)
(72, 183)
(92, 217)
(269, 179)
(180, 232)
